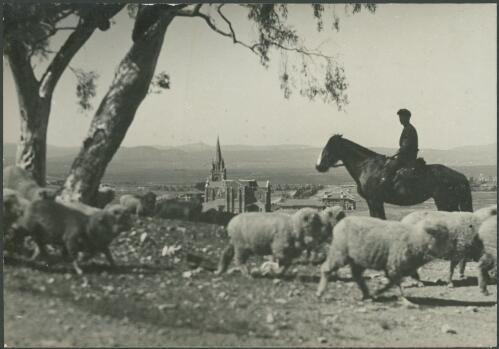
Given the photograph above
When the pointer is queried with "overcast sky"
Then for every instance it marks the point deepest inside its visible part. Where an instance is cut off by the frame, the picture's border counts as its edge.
(437, 60)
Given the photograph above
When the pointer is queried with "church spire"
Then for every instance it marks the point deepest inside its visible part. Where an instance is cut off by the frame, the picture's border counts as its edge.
(218, 171)
(218, 159)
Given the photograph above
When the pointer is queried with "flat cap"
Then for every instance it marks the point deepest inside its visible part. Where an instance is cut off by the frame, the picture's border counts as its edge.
(404, 112)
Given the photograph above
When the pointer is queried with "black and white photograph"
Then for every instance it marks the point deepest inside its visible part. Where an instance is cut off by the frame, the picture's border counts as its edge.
(249, 174)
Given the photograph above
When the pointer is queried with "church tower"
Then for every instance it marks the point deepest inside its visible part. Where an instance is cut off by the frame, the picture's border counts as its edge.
(218, 171)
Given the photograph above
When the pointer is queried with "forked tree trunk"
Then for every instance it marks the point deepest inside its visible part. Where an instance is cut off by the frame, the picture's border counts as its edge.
(115, 114)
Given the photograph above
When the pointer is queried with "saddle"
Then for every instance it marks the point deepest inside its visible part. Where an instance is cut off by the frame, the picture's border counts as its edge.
(411, 171)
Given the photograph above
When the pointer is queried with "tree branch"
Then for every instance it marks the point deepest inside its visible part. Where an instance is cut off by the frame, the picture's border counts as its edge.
(71, 46)
(21, 68)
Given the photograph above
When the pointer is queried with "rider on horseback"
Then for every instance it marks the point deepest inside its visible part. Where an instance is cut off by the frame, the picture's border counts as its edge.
(406, 156)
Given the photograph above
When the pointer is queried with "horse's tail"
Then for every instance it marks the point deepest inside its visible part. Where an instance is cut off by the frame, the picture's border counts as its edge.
(465, 199)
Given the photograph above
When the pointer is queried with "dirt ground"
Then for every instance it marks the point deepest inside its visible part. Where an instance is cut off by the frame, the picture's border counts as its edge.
(157, 298)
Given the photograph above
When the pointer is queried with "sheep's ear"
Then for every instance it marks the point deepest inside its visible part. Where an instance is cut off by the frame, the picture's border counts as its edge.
(435, 229)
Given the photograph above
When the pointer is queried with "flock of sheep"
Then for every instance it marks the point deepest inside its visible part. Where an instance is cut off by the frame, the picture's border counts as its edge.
(397, 248)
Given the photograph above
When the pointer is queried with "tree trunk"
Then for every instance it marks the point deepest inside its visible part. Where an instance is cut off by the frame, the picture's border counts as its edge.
(32, 146)
(115, 114)
(34, 115)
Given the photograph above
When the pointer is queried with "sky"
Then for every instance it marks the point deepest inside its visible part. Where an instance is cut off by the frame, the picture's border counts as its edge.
(437, 60)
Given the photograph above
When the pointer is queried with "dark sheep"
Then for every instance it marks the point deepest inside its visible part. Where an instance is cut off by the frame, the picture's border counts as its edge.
(176, 209)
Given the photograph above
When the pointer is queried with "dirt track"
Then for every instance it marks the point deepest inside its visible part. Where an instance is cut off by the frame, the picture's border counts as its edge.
(151, 300)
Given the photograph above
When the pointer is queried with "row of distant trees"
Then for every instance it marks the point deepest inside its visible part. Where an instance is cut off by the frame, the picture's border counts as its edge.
(30, 27)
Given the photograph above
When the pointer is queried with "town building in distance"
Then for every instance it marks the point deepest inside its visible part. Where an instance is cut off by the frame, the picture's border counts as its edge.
(234, 195)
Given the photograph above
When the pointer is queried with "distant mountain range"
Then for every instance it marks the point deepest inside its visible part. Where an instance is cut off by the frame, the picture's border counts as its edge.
(240, 158)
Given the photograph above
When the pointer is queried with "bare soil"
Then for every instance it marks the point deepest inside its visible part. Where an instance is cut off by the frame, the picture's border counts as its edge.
(153, 299)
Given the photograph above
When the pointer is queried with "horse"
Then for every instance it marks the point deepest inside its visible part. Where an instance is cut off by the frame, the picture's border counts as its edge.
(449, 189)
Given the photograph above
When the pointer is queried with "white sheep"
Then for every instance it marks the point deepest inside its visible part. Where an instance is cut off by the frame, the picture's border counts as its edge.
(463, 233)
(488, 261)
(281, 235)
(371, 243)
(141, 205)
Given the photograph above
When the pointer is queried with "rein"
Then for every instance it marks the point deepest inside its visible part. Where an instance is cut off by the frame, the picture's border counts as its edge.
(339, 165)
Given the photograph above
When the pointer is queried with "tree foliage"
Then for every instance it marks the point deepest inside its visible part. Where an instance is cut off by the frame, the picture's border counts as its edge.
(310, 72)
(31, 27)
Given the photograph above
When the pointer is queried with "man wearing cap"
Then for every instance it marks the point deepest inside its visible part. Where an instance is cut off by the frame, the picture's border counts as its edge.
(408, 146)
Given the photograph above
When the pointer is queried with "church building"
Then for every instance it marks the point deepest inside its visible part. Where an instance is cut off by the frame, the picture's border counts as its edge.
(234, 195)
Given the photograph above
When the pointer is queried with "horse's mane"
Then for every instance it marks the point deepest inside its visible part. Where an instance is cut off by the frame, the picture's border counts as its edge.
(358, 147)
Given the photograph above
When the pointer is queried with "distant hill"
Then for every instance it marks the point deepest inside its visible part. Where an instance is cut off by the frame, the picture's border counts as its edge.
(245, 160)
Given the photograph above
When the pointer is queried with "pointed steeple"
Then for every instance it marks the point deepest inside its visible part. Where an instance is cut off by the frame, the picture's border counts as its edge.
(218, 159)
(218, 171)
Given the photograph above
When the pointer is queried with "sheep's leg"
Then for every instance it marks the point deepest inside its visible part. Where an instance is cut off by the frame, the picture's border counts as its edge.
(483, 275)
(357, 276)
(401, 290)
(453, 264)
(75, 256)
(241, 257)
(109, 257)
(326, 269)
(225, 259)
(482, 280)
(462, 267)
(416, 277)
(284, 264)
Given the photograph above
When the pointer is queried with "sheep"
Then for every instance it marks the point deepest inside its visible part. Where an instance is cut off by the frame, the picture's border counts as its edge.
(175, 209)
(20, 180)
(488, 261)
(330, 216)
(216, 217)
(49, 222)
(371, 243)
(122, 216)
(268, 233)
(13, 208)
(141, 205)
(463, 228)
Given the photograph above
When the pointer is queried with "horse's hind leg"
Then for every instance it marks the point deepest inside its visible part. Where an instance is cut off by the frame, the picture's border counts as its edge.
(446, 204)
(376, 209)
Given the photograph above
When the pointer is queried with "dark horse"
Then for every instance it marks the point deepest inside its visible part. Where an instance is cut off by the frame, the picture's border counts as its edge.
(450, 189)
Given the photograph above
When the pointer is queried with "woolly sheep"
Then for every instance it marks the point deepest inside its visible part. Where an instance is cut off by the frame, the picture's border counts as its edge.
(49, 222)
(20, 180)
(371, 243)
(463, 233)
(141, 205)
(268, 233)
(488, 261)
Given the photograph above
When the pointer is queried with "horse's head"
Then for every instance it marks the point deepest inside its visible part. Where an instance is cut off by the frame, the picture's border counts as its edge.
(329, 156)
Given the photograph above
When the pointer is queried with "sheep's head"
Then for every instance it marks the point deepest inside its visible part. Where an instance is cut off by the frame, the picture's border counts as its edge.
(438, 231)
(329, 218)
(486, 212)
(149, 202)
(102, 228)
(308, 227)
(123, 218)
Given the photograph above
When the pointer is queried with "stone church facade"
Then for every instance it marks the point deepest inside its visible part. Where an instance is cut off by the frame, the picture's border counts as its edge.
(234, 195)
